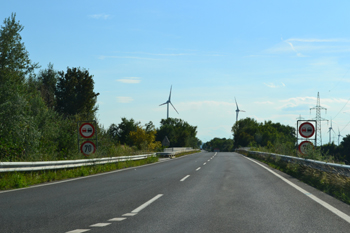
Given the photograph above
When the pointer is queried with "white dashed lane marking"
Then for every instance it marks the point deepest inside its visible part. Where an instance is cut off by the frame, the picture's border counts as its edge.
(144, 205)
(198, 168)
(129, 214)
(204, 163)
(117, 219)
(185, 178)
(78, 231)
(100, 225)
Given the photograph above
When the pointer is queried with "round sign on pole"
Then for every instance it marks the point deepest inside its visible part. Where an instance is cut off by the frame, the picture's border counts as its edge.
(307, 130)
(87, 130)
(305, 146)
(88, 148)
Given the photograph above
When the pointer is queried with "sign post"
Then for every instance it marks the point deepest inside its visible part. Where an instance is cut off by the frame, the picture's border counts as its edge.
(307, 130)
(87, 134)
(87, 148)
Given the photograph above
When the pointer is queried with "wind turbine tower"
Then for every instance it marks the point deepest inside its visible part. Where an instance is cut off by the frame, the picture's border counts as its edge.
(237, 110)
(319, 119)
(169, 102)
(330, 133)
(339, 136)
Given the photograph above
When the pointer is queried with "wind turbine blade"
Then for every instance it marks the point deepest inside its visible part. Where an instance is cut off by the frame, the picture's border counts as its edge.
(164, 103)
(236, 104)
(174, 108)
(171, 87)
(241, 110)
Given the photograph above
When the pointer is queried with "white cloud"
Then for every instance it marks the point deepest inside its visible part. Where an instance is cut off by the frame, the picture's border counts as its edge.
(100, 16)
(314, 40)
(272, 85)
(264, 102)
(130, 80)
(124, 99)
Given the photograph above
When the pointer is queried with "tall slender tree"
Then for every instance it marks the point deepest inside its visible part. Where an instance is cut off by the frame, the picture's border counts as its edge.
(75, 93)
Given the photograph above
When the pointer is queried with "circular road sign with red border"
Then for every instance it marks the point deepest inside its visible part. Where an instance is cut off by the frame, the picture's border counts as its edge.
(307, 130)
(303, 146)
(87, 130)
(87, 148)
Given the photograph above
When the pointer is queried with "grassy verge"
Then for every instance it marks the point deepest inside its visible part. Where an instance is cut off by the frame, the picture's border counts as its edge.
(335, 185)
(12, 180)
(186, 153)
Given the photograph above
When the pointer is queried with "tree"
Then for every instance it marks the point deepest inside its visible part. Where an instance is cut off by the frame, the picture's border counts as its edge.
(75, 93)
(17, 129)
(179, 132)
(14, 58)
(144, 138)
(47, 85)
(121, 133)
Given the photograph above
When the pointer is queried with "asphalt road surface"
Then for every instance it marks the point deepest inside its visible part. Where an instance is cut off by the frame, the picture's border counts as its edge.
(203, 192)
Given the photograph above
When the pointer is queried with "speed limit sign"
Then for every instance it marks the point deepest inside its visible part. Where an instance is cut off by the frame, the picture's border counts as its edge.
(88, 148)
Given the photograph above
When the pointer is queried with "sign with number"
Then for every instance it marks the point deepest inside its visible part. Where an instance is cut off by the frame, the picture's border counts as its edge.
(88, 148)
(307, 130)
(305, 146)
(87, 130)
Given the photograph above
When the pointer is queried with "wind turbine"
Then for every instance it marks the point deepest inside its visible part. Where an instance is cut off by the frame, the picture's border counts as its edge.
(237, 110)
(169, 102)
(330, 132)
(339, 136)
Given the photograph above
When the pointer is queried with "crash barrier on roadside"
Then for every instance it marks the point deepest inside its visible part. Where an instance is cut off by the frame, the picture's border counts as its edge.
(171, 152)
(322, 166)
(62, 164)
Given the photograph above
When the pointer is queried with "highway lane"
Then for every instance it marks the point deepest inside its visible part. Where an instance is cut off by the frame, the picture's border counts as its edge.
(196, 193)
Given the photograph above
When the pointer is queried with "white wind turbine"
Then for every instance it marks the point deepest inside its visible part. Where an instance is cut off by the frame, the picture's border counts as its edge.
(169, 102)
(237, 110)
(339, 136)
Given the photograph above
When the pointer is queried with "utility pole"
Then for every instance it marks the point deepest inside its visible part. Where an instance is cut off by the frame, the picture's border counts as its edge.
(319, 119)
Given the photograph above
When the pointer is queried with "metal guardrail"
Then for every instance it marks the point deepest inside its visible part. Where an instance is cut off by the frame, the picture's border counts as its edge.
(170, 152)
(322, 166)
(62, 164)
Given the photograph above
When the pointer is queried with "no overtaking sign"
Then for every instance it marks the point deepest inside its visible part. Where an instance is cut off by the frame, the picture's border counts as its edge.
(307, 130)
(87, 130)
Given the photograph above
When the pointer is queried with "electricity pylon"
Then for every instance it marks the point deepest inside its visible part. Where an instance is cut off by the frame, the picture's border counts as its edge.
(319, 119)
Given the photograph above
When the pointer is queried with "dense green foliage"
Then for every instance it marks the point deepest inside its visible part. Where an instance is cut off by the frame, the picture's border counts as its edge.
(75, 93)
(39, 111)
(179, 133)
(340, 153)
(248, 132)
(222, 144)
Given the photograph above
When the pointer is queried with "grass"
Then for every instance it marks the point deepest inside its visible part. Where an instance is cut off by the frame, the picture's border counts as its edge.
(13, 180)
(333, 184)
(186, 153)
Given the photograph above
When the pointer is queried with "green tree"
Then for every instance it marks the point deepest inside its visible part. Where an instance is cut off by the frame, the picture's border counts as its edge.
(179, 132)
(121, 132)
(47, 85)
(17, 129)
(75, 93)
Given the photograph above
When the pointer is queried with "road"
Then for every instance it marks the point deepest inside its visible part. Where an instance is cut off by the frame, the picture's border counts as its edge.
(203, 192)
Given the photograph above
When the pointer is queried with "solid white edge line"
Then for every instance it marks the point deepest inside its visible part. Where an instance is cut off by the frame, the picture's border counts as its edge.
(89, 176)
(185, 178)
(144, 205)
(198, 168)
(313, 197)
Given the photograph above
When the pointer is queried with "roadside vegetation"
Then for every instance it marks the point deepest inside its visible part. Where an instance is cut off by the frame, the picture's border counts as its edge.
(333, 184)
(12, 180)
(39, 111)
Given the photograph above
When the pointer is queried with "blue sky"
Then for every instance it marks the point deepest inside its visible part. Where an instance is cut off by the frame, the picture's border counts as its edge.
(273, 56)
